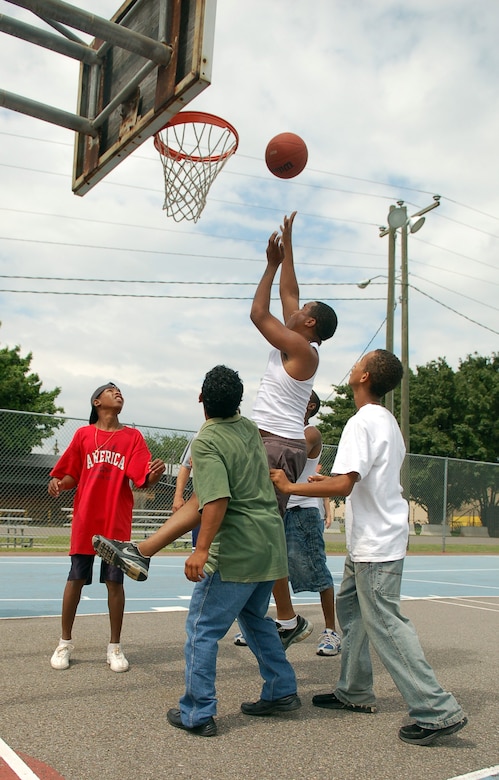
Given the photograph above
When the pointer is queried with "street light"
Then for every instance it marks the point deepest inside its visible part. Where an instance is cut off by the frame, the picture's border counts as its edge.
(398, 220)
(363, 284)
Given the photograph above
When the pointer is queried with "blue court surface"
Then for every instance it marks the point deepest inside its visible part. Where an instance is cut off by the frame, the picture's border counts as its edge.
(32, 586)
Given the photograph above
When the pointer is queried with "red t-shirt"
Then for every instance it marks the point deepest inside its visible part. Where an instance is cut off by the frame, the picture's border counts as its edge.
(103, 463)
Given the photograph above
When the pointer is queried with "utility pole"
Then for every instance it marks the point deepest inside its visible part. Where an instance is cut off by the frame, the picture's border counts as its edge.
(398, 219)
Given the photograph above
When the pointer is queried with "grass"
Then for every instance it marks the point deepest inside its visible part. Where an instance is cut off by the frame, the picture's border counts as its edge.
(338, 548)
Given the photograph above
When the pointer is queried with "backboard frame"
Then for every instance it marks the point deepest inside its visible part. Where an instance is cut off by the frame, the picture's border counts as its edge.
(128, 98)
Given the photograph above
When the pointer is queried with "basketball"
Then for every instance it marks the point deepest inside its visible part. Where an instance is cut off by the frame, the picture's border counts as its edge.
(286, 155)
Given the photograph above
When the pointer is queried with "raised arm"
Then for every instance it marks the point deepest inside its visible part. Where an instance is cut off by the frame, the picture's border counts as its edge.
(288, 284)
(260, 308)
(300, 358)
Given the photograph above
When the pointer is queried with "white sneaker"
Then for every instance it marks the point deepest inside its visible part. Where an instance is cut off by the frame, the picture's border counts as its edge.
(329, 643)
(61, 656)
(117, 660)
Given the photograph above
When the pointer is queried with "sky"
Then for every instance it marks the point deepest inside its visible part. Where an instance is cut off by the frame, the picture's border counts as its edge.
(396, 101)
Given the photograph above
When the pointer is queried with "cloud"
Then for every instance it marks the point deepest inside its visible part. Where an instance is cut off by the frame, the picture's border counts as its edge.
(394, 102)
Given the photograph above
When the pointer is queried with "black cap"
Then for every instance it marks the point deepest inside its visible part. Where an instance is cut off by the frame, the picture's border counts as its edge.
(93, 414)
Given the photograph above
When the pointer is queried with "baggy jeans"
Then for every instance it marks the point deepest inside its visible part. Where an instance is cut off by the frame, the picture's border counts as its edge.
(215, 605)
(368, 610)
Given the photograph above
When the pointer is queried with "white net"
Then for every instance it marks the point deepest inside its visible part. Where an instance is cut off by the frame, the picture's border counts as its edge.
(193, 148)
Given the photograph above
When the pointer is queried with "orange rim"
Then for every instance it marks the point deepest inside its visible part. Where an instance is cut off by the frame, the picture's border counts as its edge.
(195, 117)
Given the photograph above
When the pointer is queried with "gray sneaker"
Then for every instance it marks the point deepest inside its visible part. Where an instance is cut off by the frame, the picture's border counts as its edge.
(124, 555)
(302, 629)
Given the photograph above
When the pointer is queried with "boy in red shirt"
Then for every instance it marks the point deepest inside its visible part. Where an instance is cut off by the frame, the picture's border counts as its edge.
(100, 462)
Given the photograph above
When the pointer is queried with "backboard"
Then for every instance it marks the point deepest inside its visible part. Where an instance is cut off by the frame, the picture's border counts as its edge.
(128, 97)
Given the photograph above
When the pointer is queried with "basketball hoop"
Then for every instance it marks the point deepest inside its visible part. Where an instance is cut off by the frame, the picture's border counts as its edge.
(193, 148)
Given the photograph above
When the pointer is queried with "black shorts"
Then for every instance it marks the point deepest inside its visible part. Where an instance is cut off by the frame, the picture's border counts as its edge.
(82, 568)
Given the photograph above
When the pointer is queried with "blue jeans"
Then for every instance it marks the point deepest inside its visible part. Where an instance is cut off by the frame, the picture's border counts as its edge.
(215, 604)
(368, 610)
(308, 569)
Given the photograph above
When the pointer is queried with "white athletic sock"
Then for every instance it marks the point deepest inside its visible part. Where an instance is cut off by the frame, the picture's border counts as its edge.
(65, 641)
(287, 624)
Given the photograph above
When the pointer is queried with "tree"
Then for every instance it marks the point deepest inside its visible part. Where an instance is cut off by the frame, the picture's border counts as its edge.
(21, 391)
(169, 448)
(456, 414)
(343, 407)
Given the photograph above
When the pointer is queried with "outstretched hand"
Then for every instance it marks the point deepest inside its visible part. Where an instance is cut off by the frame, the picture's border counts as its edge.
(281, 481)
(275, 250)
(286, 228)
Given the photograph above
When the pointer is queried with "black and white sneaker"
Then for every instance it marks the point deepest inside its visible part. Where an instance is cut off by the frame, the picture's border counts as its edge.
(124, 555)
(417, 735)
(302, 629)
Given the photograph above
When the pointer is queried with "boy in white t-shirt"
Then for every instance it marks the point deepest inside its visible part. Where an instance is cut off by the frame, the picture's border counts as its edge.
(367, 470)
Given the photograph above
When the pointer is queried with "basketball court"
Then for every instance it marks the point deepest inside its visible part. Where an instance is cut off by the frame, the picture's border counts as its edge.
(31, 586)
(87, 722)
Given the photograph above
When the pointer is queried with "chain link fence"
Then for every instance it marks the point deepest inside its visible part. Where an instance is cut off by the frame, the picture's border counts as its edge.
(30, 445)
(447, 496)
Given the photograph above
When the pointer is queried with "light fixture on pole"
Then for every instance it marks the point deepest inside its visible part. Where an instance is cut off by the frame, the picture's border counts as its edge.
(365, 282)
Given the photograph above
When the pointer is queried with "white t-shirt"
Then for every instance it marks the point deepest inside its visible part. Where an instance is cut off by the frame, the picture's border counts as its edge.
(281, 401)
(185, 460)
(376, 514)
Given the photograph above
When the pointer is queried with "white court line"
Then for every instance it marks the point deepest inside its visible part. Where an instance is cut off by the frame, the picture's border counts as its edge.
(17, 765)
(459, 603)
(481, 774)
(471, 600)
(455, 584)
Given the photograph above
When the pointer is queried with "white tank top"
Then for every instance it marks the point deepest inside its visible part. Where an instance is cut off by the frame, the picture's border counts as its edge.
(309, 469)
(281, 401)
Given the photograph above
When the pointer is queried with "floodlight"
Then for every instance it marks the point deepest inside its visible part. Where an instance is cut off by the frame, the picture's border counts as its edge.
(416, 224)
(397, 218)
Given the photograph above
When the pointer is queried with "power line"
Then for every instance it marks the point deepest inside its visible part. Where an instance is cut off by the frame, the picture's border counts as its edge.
(361, 355)
(458, 254)
(447, 289)
(149, 295)
(459, 314)
(391, 185)
(161, 281)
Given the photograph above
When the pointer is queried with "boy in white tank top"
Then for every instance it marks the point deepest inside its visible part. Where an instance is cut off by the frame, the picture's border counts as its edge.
(285, 389)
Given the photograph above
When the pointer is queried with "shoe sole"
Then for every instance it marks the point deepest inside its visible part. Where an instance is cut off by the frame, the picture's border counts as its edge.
(435, 734)
(295, 705)
(118, 671)
(206, 730)
(336, 704)
(109, 555)
(324, 653)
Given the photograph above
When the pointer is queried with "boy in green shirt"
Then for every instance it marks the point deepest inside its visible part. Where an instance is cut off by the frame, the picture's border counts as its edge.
(240, 552)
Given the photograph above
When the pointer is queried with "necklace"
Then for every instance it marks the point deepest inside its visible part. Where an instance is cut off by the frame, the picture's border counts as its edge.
(97, 448)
